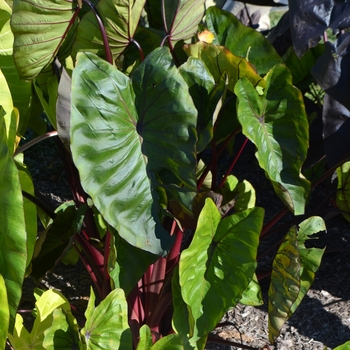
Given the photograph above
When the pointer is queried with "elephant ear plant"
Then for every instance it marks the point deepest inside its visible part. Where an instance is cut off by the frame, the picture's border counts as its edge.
(144, 111)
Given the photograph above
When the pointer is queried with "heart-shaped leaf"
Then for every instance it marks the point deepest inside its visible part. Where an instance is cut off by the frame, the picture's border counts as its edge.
(40, 28)
(107, 325)
(117, 134)
(222, 254)
(276, 123)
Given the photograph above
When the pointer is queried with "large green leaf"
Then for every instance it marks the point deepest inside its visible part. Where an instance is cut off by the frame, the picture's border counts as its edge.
(120, 19)
(13, 237)
(276, 123)
(40, 29)
(219, 59)
(222, 254)
(20, 90)
(4, 313)
(343, 190)
(285, 283)
(182, 18)
(117, 134)
(107, 325)
(241, 40)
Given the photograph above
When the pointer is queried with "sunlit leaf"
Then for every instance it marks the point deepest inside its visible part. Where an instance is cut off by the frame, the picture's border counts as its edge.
(107, 325)
(222, 254)
(20, 90)
(276, 123)
(40, 29)
(13, 237)
(219, 59)
(4, 313)
(182, 18)
(120, 19)
(252, 294)
(117, 140)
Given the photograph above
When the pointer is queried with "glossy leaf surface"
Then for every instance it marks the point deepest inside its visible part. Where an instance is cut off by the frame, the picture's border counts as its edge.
(223, 255)
(120, 19)
(276, 123)
(106, 325)
(117, 134)
(40, 29)
(13, 237)
(242, 41)
(252, 294)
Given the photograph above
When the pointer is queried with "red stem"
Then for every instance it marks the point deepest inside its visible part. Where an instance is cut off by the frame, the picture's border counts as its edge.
(228, 172)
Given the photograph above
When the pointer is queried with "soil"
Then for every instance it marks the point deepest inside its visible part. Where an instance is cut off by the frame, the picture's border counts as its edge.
(321, 322)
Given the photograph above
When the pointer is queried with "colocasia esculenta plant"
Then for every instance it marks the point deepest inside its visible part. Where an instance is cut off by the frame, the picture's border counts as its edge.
(144, 98)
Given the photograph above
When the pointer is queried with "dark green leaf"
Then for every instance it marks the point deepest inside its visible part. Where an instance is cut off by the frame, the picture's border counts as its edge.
(56, 239)
(201, 83)
(241, 40)
(276, 123)
(126, 255)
